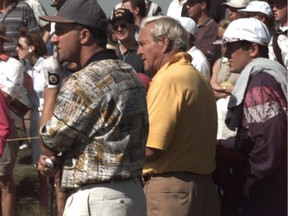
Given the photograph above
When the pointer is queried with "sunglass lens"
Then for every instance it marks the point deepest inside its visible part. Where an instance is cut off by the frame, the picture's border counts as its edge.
(122, 26)
(20, 46)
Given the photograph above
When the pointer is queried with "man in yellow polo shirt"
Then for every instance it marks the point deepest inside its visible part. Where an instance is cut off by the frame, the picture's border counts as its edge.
(180, 150)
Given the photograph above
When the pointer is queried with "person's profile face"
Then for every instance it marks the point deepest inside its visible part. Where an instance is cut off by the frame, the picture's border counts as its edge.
(149, 50)
(23, 49)
(238, 57)
(67, 38)
(280, 13)
(233, 14)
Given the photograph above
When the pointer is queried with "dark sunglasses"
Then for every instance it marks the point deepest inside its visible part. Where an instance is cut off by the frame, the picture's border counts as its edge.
(122, 26)
(20, 46)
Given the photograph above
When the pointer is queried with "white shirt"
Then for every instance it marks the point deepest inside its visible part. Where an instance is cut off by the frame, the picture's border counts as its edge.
(11, 76)
(200, 62)
(38, 78)
(175, 9)
(283, 44)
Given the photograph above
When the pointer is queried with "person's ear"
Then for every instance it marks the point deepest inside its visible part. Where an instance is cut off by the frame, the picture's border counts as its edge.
(254, 50)
(137, 10)
(85, 35)
(166, 44)
(203, 5)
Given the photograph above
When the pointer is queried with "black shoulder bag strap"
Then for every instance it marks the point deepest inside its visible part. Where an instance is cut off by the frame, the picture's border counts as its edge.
(276, 48)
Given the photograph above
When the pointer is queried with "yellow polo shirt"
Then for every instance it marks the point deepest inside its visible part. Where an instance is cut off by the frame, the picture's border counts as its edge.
(182, 118)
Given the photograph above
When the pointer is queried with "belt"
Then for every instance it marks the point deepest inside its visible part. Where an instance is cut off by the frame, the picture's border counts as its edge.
(147, 177)
(72, 190)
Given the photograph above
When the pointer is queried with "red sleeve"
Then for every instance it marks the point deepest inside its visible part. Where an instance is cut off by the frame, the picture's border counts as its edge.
(4, 123)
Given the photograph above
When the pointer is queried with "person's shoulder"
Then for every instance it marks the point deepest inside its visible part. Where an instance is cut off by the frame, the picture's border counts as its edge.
(14, 66)
(14, 61)
(213, 24)
(105, 67)
(196, 53)
(263, 80)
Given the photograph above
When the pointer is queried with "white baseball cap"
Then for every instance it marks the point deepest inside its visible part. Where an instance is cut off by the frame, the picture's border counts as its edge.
(189, 24)
(236, 3)
(258, 7)
(249, 29)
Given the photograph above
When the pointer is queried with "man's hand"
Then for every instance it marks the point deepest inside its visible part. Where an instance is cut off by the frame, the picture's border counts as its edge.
(47, 166)
(53, 70)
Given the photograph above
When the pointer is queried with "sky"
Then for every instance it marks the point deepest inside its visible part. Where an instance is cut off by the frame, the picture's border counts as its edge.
(107, 5)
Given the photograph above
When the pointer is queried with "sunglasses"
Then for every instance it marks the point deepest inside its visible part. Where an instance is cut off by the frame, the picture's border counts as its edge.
(20, 46)
(122, 26)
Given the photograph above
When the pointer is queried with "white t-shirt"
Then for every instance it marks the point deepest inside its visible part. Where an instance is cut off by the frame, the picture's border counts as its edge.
(199, 61)
(283, 45)
(38, 79)
(11, 76)
(175, 9)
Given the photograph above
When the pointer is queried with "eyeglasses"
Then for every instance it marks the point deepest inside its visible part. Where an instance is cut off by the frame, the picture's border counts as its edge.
(122, 26)
(20, 46)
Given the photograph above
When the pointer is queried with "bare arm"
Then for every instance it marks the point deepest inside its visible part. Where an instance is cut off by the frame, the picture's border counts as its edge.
(48, 109)
(219, 91)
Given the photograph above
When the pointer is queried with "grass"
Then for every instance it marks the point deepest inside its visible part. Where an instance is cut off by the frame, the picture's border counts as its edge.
(26, 183)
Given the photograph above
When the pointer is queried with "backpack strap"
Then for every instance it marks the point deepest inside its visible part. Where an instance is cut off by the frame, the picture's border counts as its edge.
(276, 48)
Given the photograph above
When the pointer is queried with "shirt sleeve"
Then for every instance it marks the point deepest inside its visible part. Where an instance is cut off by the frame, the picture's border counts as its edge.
(4, 123)
(66, 129)
(80, 115)
(12, 81)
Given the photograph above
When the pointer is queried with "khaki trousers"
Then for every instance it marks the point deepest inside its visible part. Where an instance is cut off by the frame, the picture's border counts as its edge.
(122, 198)
(181, 194)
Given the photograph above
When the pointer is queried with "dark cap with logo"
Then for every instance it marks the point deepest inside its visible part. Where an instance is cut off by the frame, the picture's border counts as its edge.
(83, 12)
(123, 14)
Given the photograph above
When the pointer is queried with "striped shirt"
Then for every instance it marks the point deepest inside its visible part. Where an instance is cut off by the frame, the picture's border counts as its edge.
(39, 10)
(19, 14)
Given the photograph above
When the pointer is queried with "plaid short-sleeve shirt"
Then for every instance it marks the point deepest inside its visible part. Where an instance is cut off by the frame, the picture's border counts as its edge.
(100, 124)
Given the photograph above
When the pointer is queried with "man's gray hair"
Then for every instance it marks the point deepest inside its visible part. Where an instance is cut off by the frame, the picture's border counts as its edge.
(169, 27)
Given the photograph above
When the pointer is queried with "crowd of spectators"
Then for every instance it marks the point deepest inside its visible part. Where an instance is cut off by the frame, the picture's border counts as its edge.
(140, 112)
